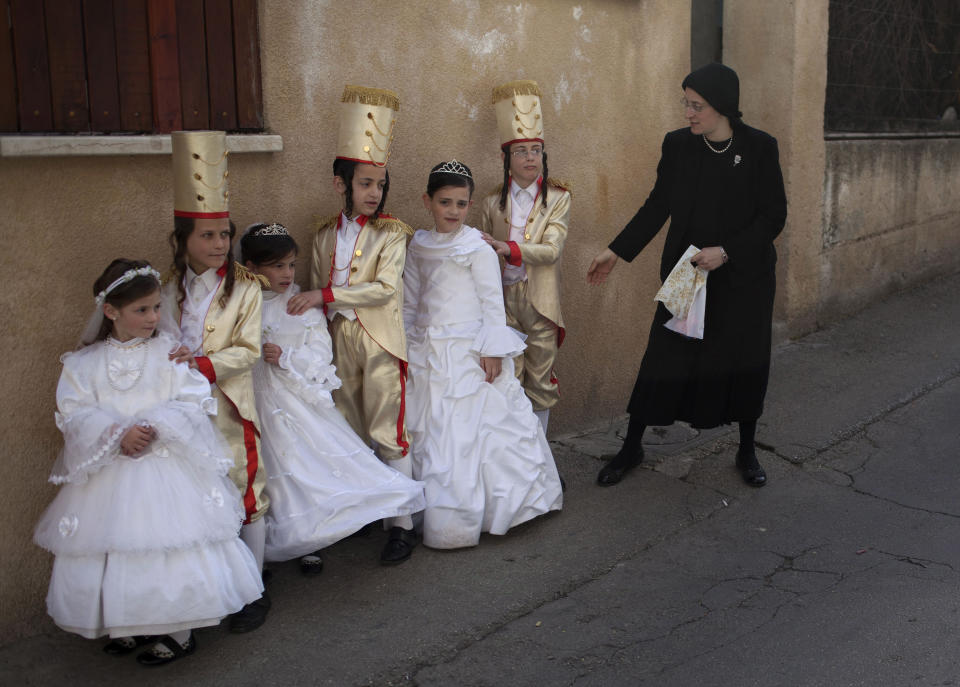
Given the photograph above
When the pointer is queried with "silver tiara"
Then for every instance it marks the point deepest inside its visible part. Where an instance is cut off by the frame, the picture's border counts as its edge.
(124, 278)
(453, 167)
(271, 230)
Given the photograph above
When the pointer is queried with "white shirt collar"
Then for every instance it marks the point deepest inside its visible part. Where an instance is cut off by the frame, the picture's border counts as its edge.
(209, 278)
(515, 188)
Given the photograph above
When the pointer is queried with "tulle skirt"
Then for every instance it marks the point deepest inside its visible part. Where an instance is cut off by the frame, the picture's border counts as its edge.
(147, 546)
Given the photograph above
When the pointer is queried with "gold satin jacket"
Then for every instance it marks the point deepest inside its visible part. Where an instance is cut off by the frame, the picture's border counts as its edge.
(541, 253)
(374, 288)
(231, 336)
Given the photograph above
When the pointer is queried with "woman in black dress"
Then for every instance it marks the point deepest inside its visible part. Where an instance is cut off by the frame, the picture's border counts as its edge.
(719, 182)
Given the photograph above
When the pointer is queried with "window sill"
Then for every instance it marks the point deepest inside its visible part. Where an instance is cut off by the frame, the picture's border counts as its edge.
(70, 146)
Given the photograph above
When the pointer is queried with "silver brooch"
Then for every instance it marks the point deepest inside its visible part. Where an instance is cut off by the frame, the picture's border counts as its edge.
(736, 160)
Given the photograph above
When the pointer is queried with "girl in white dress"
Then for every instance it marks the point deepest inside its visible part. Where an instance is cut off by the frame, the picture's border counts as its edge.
(324, 483)
(477, 444)
(144, 528)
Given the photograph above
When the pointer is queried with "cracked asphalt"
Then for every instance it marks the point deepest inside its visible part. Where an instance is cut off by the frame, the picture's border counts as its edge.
(842, 571)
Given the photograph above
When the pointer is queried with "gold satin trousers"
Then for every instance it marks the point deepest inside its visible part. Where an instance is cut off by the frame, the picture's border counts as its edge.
(373, 386)
(535, 366)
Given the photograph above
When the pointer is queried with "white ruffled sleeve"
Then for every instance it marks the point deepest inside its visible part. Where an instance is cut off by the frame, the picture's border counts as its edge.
(495, 339)
(183, 420)
(91, 434)
(411, 290)
(308, 367)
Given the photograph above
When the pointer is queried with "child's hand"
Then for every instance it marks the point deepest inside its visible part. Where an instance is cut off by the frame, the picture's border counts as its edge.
(183, 355)
(500, 247)
(305, 300)
(272, 353)
(492, 366)
(136, 439)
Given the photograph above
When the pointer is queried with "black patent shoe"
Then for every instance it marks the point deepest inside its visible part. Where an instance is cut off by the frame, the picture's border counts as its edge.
(120, 646)
(399, 546)
(619, 465)
(167, 650)
(311, 564)
(751, 470)
(251, 616)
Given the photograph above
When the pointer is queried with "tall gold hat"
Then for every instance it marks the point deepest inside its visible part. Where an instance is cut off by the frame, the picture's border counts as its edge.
(519, 117)
(200, 174)
(367, 117)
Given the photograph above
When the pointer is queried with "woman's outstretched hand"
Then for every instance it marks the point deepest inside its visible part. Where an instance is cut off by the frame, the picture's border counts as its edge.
(601, 266)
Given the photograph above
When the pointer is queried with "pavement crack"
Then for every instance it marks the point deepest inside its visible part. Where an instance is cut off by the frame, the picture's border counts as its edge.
(861, 426)
(915, 560)
(408, 675)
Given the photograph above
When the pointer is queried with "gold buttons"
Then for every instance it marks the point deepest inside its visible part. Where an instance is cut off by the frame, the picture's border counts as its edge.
(211, 327)
(353, 269)
(506, 220)
(358, 252)
(529, 220)
(526, 237)
(210, 352)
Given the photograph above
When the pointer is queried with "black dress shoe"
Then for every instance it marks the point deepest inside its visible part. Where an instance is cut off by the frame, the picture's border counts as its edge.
(751, 470)
(619, 465)
(251, 616)
(311, 564)
(158, 657)
(121, 646)
(399, 546)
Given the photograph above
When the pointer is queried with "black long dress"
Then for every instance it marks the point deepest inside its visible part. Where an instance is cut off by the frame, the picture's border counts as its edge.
(736, 200)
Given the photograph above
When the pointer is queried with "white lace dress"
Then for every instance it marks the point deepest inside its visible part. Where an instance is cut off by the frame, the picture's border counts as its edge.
(477, 446)
(324, 482)
(144, 545)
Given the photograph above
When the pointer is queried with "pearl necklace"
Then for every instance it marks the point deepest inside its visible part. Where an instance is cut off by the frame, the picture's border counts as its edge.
(723, 150)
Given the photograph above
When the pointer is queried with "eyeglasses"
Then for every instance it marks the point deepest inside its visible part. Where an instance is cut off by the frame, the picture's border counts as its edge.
(535, 152)
(696, 107)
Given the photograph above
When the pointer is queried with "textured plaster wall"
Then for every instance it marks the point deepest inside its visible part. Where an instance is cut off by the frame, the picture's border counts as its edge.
(779, 49)
(890, 218)
(610, 71)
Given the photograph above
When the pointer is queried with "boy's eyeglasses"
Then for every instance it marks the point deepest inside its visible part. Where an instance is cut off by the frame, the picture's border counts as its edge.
(535, 152)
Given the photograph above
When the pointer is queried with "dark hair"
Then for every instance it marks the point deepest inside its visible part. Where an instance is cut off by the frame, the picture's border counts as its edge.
(505, 188)
(438, 180)
(261, 250)
(182, 228)
(125, 293)
(345, 169)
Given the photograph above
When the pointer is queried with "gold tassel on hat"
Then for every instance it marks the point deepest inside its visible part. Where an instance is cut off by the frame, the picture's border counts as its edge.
(371, 96)
(367, 117)
(519, 115)
(200, 174)
(522, 87)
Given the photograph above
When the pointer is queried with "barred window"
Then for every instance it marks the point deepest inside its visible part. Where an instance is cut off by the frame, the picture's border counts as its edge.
(133, 66)
(893, 66)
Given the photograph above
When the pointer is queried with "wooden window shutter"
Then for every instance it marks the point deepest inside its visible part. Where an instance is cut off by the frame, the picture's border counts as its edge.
(150, 66)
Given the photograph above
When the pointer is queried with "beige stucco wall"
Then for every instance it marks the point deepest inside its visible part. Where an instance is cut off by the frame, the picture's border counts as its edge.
(891, 218)
(610, 71)
(779, 49)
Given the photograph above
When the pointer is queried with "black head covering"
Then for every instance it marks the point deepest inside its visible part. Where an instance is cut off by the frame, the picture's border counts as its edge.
(719, 85)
